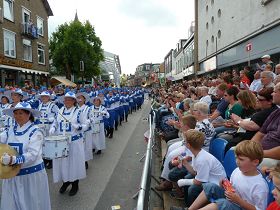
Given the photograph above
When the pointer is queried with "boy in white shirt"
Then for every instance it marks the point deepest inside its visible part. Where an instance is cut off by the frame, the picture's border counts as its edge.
(250, 190)
(204, 168)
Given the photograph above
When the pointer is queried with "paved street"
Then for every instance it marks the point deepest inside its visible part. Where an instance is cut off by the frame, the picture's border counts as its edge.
(112, 177)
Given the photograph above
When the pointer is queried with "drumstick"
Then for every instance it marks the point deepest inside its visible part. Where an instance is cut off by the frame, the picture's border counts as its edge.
(63, 117)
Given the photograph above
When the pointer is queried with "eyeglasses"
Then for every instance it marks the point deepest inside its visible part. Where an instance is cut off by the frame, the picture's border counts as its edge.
(261, 98)
(275, 187)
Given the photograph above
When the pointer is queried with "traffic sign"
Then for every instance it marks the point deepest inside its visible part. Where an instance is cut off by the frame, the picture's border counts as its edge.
(248, 47)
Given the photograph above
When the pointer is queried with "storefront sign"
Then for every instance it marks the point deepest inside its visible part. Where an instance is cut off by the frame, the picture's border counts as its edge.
(15, 62)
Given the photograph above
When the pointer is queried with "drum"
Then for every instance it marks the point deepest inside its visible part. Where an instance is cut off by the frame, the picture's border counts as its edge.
(55, 147)
(95, 126)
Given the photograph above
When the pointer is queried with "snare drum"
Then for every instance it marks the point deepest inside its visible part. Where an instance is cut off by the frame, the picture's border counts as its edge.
(95, 126)
(55, 147)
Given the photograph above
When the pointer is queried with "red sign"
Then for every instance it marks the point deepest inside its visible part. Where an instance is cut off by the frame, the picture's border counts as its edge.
(249, 47)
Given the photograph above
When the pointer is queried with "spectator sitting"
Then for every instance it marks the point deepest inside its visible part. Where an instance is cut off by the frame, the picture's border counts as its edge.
(248, 101)
(233, 107)
(277, 79)
(205, 97)
(275, 173)
(251, 126)
(256, 85)
(200, 111)
(267, 79)
(269, 133)
(205, 168)
(222, 105)
(244, 80)
(266, 60)
(268, 67)
(250, 190)
(188, 122)
(277, 69)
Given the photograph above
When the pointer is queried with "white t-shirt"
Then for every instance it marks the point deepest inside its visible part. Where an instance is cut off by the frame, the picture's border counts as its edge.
(208, 168)
(207, 99)
(252, 189)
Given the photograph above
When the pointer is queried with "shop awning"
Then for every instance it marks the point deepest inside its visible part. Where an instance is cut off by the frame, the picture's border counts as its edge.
(63, 80)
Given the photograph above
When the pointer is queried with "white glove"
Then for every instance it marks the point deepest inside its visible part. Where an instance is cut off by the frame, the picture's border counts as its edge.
(75, 126)
(103, 112)
(52, 131)
(185, 182)
(6, 159)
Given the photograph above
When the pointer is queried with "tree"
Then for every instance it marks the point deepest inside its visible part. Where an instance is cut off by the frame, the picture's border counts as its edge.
(123, 80)
(72, 43)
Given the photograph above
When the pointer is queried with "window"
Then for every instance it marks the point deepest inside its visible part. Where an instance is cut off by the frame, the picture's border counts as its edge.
(26, 15)
(27, 50)
(212, 19)
(40, 26)
(219, 13)
(207, 25)
(212, 39)
(9, 44)
(206, 8)
(8, 9)
(219, 34)
(41, 54)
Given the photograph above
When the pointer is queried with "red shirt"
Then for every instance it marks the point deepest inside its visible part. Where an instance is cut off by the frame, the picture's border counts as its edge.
(273, 206)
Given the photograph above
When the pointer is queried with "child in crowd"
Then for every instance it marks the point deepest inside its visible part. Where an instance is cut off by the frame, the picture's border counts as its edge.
(250, 190)
(205, 168)
(275, 173)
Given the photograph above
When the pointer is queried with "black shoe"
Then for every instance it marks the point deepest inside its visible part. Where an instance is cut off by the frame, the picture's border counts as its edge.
(75, 188)
(98, 152)
(64, 187)
(93, 150)
(86, 165)
(111, 133)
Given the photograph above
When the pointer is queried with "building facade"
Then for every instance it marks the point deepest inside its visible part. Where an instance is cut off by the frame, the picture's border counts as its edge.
(227, 28)
(24, 50)
(111, 68)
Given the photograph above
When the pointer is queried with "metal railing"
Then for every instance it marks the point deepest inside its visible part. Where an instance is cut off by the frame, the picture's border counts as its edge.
(144, 191)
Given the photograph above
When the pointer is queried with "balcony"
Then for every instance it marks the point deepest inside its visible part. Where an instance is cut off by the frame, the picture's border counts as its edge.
(29, 30)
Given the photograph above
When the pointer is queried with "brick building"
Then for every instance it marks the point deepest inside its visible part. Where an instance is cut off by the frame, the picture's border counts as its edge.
(24, 48)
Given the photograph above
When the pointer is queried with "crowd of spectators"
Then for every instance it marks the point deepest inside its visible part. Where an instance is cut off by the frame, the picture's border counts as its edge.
(240, 107)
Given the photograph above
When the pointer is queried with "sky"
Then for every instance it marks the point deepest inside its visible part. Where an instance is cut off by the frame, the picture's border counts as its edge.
(139, 31)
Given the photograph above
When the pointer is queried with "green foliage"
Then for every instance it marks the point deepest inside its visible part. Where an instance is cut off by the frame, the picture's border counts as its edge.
(72, 43)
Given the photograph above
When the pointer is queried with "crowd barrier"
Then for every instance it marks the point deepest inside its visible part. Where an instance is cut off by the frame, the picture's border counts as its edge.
(145, 187)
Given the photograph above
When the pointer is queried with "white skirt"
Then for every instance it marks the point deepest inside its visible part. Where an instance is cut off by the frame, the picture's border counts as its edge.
(88, 145)
(26, 192)
(99, 139)
(71, 168)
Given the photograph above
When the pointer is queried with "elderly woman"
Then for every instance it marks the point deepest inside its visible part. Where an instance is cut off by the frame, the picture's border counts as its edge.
(29, 189)
(70, 122)
(97, 115)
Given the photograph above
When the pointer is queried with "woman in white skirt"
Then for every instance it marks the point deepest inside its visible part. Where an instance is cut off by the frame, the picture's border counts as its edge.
(29, 190)
(83, 99)
(70, 122)
(97, 114)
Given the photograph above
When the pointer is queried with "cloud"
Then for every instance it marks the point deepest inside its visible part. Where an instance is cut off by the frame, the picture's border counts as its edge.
(148, 11)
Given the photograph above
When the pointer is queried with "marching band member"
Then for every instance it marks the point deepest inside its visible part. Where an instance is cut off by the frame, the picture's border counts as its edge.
(17, 97)
(82, 99)
(48, 113)
(29, 190)
(97, 114)
(109, 104)
(70, 122)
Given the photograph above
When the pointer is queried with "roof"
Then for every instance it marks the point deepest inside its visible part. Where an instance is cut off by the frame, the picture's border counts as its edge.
(48, 8)
(63, 80)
